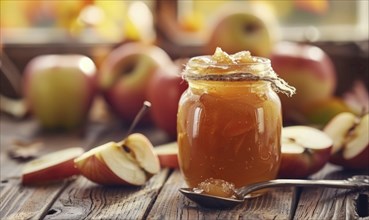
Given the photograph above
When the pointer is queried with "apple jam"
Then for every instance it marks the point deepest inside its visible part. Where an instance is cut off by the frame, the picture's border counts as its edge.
(229, 119)
(217, 187)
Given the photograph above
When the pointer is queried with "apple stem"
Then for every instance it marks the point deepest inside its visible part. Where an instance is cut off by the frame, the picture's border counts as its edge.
(140, 114)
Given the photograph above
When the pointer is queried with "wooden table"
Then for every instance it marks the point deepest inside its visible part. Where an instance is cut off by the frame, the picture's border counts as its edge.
(159, 198)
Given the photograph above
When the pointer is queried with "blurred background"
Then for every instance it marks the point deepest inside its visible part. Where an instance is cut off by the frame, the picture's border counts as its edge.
(185, 28)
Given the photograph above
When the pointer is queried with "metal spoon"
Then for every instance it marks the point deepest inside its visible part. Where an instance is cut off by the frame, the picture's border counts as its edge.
(209, 201)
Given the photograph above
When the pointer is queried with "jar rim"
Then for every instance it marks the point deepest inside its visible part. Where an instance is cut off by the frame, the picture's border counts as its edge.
(260, 70)
(244, 71)
(210, 62)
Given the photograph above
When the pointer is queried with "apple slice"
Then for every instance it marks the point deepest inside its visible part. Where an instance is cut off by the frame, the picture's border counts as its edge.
(168, 155)
(130, 162)
(51, 167)
(351, 140)
(305, 150)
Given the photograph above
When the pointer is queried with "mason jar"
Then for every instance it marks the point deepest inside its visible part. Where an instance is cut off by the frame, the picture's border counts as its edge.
(229, 121)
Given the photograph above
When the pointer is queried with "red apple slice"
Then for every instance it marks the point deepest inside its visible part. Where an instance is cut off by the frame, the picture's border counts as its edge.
(130, 162)
(51, 167)
(351, 140)
(168, 155)
(305, 150)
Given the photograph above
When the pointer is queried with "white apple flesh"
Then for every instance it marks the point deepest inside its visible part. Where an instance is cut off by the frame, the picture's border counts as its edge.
(305, 150)
(130, 162)
(351, 140)
(168, 155)
(51, 167)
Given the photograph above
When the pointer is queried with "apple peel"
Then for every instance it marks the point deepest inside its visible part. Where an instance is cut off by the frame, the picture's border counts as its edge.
(51, 167)
(91, 162)
(129, 162)
(168, 155)
(305, 150)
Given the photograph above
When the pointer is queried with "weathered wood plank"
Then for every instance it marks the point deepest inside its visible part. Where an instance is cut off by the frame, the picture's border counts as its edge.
(24, 202)
(21, 202)
(327, 203)
(86, 200)
(170, 204)
(34, 202)
(28, 131)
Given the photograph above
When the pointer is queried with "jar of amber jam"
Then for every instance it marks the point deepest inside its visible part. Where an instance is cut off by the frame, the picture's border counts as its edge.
(229, 119)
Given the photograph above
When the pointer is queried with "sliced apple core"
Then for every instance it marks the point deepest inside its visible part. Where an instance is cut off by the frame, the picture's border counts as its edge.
(358, 139)
(143, 152)
(52, 159)
(121, 165)
(306, 137)
(338, 128)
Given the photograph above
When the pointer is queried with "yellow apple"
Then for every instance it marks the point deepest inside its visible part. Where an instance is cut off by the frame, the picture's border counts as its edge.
(253, 29)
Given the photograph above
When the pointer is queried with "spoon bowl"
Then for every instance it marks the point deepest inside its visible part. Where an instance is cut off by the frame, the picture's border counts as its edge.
(210, 201)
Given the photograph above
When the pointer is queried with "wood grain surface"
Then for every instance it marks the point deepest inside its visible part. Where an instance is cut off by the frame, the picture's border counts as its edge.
(78, 198)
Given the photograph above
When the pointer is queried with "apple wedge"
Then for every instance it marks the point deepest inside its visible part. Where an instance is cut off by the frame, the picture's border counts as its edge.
(351, 140)
(51, 167)
(305, 150)
(168, 155)
(129, 162)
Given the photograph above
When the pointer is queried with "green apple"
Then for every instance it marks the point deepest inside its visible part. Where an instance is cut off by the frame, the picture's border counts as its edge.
(253, 30)
(321, 112)
(59, 89)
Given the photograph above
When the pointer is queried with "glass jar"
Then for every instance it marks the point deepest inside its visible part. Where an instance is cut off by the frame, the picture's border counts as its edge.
(229, 122)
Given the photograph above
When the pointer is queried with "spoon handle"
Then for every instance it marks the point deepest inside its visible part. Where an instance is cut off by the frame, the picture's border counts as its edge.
(345, 184)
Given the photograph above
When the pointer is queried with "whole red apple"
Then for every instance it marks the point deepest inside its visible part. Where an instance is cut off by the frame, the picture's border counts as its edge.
(164, 92)
(309, 70)
(125, 74)
(59, 89)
